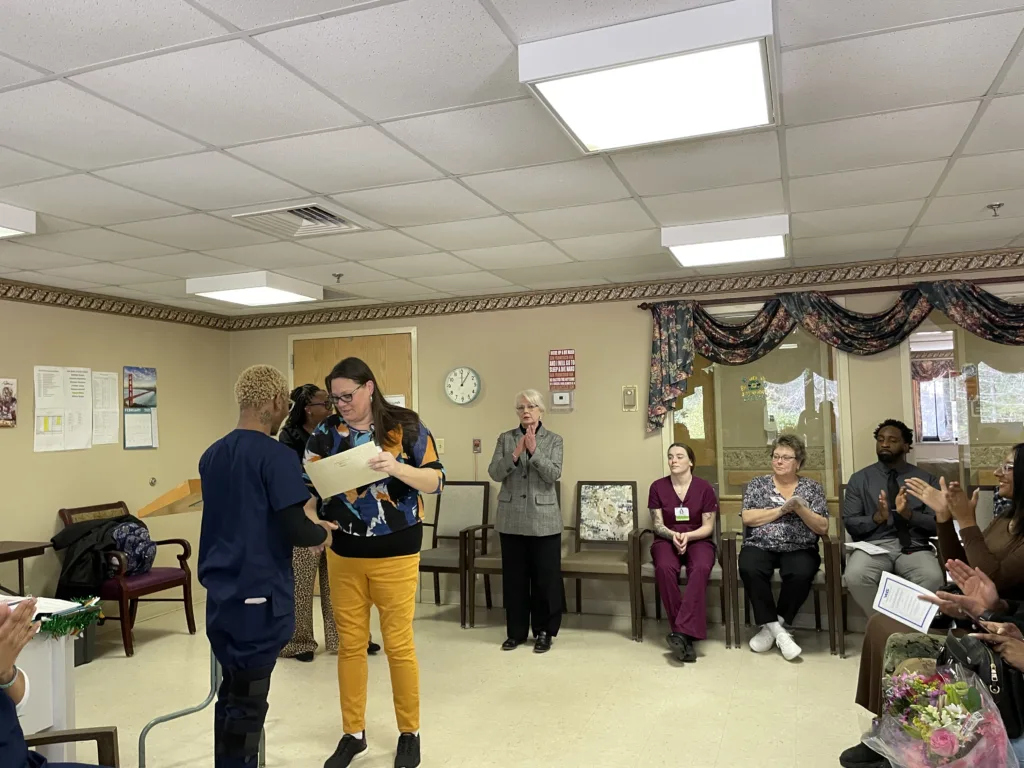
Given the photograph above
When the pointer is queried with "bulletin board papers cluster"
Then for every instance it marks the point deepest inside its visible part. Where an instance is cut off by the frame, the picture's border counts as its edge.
(140, 414)
(106, 411)
(63, 409)
(562, 370)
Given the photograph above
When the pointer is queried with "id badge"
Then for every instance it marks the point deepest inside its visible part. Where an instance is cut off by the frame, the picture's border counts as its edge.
(682, 514)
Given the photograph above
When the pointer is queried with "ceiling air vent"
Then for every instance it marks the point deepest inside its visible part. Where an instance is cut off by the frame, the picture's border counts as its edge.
(298, 222)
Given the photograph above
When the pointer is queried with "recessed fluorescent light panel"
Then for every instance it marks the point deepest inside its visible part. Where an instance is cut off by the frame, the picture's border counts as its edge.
(254, 289)
(692, 73)
(16, 221)
(728, 242)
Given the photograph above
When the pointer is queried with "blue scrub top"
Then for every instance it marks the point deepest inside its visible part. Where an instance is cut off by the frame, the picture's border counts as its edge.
(248, 477)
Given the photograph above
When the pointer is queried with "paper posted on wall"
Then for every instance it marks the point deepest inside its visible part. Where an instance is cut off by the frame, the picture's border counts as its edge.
(106, 410)
(63, 408)
(8, 402)
(139, 395)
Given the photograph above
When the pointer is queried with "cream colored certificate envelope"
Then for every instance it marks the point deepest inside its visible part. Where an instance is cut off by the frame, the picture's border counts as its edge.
(345, 471)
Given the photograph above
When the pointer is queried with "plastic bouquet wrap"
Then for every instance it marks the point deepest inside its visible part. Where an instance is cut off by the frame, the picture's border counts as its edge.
(947, 719)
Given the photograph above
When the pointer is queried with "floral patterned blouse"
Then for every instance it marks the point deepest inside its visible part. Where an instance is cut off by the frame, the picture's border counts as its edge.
(788, 533)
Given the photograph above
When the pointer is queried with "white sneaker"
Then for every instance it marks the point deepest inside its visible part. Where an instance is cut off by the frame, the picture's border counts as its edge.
(762, 641)
(790, 650)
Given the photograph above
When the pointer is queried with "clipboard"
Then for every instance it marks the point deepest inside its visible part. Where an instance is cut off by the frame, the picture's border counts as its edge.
(346, 471)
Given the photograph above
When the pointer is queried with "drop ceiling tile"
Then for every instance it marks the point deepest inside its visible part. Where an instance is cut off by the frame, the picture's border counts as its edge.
(73, 33)
(888, 184)
(164, 287)
(186, 265)
(88, 199)
(55, 281)
(850, 221)
(132, 294)
(654, 266)
(847, 244)
(613, 246)
(99, 244)
(720, 204)
(701, 164)
(918, 66)
(12, 73)
(16, 168)
(339, 161)
(949, 210)
(978, 173)
(105, 273)
(425, 265)
(582, 220)
(487, 138)
(970, 235)
(390, 61)
(206, 180)
(476, 233)
(557, 285)
(65, 125)
(999, 127)
(363, 246)
(812, 21)
(878, 140)
(247, 14)
(222, 94)
(392, 289)
(844, 258)
(325, 274)
(194, 232)
(48, 225)
(273, 256)
(23, 257)
(951, 249)
(577, 182)
(512, 256)
(574, 272)
(408, 205)
(474, 281)
(1014, 80)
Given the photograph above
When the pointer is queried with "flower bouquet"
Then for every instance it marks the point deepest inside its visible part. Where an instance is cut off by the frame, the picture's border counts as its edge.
(947, 719)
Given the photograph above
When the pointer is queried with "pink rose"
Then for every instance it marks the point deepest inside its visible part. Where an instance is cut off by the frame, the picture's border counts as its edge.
(943, 743)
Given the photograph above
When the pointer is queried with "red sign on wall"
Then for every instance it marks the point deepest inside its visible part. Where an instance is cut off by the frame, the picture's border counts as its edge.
(562, 370)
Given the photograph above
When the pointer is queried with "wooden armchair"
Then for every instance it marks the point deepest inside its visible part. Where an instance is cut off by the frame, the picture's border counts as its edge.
(606, 519)
(464, 504)
(128, 591)
(104, 738)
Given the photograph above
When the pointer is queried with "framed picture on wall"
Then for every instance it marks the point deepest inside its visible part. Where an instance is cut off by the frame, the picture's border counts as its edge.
(607, 510)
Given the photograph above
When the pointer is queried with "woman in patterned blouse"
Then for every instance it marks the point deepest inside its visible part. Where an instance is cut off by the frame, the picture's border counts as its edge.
(783, 516)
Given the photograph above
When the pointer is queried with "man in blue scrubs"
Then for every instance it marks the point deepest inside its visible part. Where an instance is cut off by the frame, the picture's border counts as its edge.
(255, 509)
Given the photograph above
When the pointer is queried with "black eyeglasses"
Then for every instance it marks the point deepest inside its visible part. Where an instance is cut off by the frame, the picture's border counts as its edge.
(346, 397)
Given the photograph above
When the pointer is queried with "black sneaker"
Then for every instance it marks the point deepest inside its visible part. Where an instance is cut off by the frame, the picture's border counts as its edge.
(306, 657)
(681, 647)
(408, 753)
(349, 748)
(372, 649)
(862, 756)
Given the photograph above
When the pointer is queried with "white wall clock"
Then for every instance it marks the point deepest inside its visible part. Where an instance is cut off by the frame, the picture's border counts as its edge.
(462, 385)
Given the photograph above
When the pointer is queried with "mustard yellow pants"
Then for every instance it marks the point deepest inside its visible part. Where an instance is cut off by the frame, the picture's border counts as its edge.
(390, 584)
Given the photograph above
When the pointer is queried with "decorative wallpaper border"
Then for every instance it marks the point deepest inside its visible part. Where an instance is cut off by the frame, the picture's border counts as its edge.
(761, 282)
(931, 354)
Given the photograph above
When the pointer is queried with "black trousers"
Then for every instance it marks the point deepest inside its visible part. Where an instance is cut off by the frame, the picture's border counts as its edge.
(531, 578)
(796, 569)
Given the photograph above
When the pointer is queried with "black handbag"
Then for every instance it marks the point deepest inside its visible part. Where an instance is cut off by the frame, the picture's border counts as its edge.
(1004, 683)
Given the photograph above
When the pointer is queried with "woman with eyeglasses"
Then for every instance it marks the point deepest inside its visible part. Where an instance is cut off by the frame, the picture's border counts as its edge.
(310, 406)
(374, 557)
(527, 461)
(783, 516)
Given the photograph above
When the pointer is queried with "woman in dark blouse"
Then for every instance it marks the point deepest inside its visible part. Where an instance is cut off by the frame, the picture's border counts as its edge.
(683, 510)
(783, 516)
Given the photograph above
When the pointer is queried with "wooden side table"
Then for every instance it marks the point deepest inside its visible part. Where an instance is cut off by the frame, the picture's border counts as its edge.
(20, 550)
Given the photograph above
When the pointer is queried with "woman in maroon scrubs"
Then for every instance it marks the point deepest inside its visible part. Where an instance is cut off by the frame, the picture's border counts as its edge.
(683, 509)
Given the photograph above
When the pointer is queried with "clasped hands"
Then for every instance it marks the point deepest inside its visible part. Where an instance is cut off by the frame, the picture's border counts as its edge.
(793, 504)
(328, 525)
(528, 442)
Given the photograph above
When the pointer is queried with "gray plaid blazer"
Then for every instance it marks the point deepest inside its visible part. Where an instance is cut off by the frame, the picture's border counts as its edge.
(527, 504)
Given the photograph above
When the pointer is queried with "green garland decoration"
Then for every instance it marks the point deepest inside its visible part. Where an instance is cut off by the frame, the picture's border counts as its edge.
(72, 623)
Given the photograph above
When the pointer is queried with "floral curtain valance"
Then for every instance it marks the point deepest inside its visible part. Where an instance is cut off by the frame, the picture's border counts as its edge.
(684, 328)
(926, 370)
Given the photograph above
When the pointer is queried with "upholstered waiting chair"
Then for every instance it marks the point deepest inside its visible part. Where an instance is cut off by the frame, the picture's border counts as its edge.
(721, 577)
(128, 591)
(105, 739)
(464, 504)
(602, 541)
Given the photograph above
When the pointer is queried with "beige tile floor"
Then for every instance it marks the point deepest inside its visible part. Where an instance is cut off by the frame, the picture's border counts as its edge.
(597, 700)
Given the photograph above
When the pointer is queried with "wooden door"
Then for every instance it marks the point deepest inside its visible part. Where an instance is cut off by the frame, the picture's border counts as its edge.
(388, 355)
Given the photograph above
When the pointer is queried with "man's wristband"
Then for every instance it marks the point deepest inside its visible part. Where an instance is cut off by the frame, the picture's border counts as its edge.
(12, 681)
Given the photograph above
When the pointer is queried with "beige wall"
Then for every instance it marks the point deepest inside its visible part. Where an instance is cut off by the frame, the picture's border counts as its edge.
(192, 370)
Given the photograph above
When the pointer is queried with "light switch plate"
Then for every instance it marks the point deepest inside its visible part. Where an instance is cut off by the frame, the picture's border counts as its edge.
(439, 442)
(477, 448)
(629, 398)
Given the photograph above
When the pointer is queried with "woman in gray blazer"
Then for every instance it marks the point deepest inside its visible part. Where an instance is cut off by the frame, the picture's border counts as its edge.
(527, 462)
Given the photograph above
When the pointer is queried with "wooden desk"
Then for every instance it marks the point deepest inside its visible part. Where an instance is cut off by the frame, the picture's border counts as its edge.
(19, 550)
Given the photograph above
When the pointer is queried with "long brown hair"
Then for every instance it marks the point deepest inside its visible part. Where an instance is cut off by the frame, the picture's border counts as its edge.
(387, 417)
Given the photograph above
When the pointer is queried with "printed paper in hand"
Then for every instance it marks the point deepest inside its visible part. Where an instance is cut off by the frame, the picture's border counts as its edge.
(866, 547)
(899, 599)
(345, 471)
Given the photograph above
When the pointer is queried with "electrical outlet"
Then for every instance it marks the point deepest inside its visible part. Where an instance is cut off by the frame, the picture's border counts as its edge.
(439, 442)
(476, 445)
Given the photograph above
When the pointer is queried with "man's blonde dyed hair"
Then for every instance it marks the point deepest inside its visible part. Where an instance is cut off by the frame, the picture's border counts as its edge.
(258, 385)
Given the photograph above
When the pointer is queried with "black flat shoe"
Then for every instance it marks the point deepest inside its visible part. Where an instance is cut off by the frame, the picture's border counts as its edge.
(510, 644)
(682, 647)
(862, 756)
(543, 644)
(372, 649)
(307, 656)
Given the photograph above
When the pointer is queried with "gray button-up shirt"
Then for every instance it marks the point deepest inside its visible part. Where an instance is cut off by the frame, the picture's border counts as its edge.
(861, 503)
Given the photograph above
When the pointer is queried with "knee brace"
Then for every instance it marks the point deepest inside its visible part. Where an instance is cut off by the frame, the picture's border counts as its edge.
(245, 711)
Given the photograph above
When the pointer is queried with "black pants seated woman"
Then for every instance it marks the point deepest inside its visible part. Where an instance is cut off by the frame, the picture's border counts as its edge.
(796, 569)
